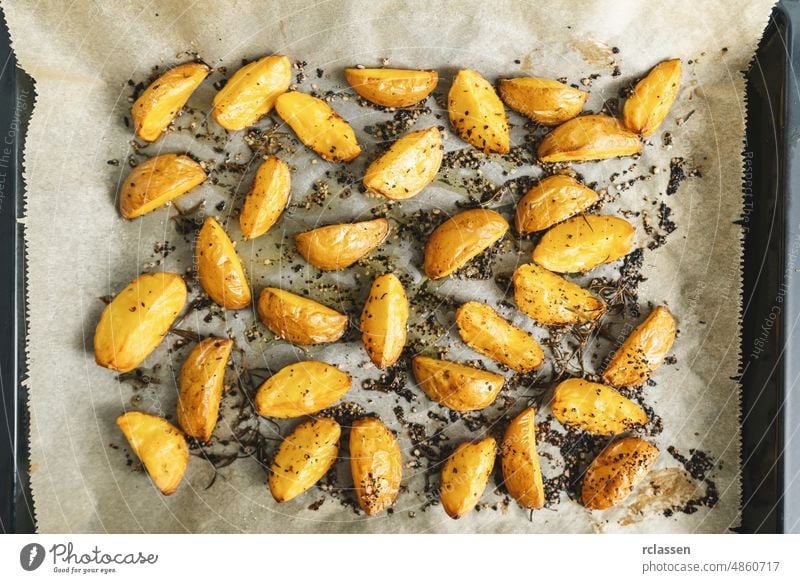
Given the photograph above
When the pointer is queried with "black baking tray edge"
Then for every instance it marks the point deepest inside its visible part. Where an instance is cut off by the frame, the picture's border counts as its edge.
(770, 373)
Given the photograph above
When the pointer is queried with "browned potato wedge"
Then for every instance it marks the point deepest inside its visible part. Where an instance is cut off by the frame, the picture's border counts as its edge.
(301, 389)
(457, 386)
(643, 351)
(584, 242)
(157, 181)
(465, 475)
(522, 474)
(299, 320)
(137, 319)
(158, 105)
(267, 199)
(160, 447)
(306, 455)
(545, 101)
(318, 126)
(595, 408)
(652, 97)
(392, 87)
(339, 246)
(408, 166)
(383, 320)
(219, 269)
(461, 238)
(477, 113)
(376, 464)
(200, 386)
(251, 92)
(551, 300)
(552, 200)
(589, 137)
(487, 332)
(616, 472)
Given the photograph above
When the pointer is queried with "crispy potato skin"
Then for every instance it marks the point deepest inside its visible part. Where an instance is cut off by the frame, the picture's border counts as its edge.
(477, 113)
(137, 319)
(376, 464)
(551, 300)
(456, 386)
(589, 137)
(251, 92)
(160, 447)
(408, 166)
(158, 105)
(552, 200)
(522, 474)
(595, 408)
(461, 238)
(643, 351)
(318, 126)
(157, 181)
(200, 385)
(584, 242)
(392, 87)
(648, 105)
(299, 320)
(340, 246)
(301, 389)
(485, 331)
(219, 269)
(306, 455)
(267, 199)
(465, 476)
(616, 471)
(545, 101)
(383, 320)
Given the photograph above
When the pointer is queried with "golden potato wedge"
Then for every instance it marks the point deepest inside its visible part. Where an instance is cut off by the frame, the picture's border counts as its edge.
(137, 319)
(383, 320)
(301, 389)
(158, 105)
(465, 476)
(339, 246)
(306, 455)
(643, 351)
(651, 99)
(584, 242)
(456, 386)
(408, 166)
(318, 126)
(251, 92)
(267, 199)
(392, 87)
(477, 113)
(157, 181)
(487, 332)
(159, 445)
(545, 101)
(552, 200)
(376, 464)
(589, 137)
(219, 268)
(460, 238)
(522, 474)
(299, 320)
(551, 300)
(616, 471)
(595, 408)
(200, 385)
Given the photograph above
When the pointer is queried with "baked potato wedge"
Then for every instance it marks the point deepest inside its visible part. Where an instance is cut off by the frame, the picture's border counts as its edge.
(589, 137)
(267, 199)
(299, 389)
(299, 320)
(383, 320)
(545, 101)
(219, 268)
(157, 181)
(376, 464)
(392, 87)
(522, 474)
(340, 246)
(551, 300)
(595, 408)
(477, 113)
(651, 99)
(465, 476)
(616, 471)
(554, 199)
(456, 386)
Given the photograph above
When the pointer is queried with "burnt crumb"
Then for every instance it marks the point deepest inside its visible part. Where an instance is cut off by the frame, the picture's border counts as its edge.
(699, 465)
(622, 295)
(344, 413)
(316, 505)
(676, 175)
(480, 267)
(424, 447)
(319, 195)
(140, 378)
(401, 122)
(393, 380)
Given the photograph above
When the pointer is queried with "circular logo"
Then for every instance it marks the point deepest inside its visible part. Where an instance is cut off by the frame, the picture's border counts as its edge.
(31, 556)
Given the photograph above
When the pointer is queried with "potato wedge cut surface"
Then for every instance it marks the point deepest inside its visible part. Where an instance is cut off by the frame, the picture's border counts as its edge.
(522, 474)
(552, 200)
(477, 113)
(465, 476)
(339, 246)
(549, 299)
(651, 99)
(200, 386)
(299, 320)
(546, 101)
(456, 386)
(157, 181)
(408, 166)
(267, 199)
(595, 408)
(613, 474)
(392, 87)
(376, 464)
(589, 137)
(219, 268)
(299, 389)
(383, 320)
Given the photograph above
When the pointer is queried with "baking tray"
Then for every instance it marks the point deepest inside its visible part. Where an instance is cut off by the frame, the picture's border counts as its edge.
(770, 371)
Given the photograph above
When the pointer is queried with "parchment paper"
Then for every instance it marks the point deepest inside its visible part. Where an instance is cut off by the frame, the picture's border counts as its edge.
(82, 54)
